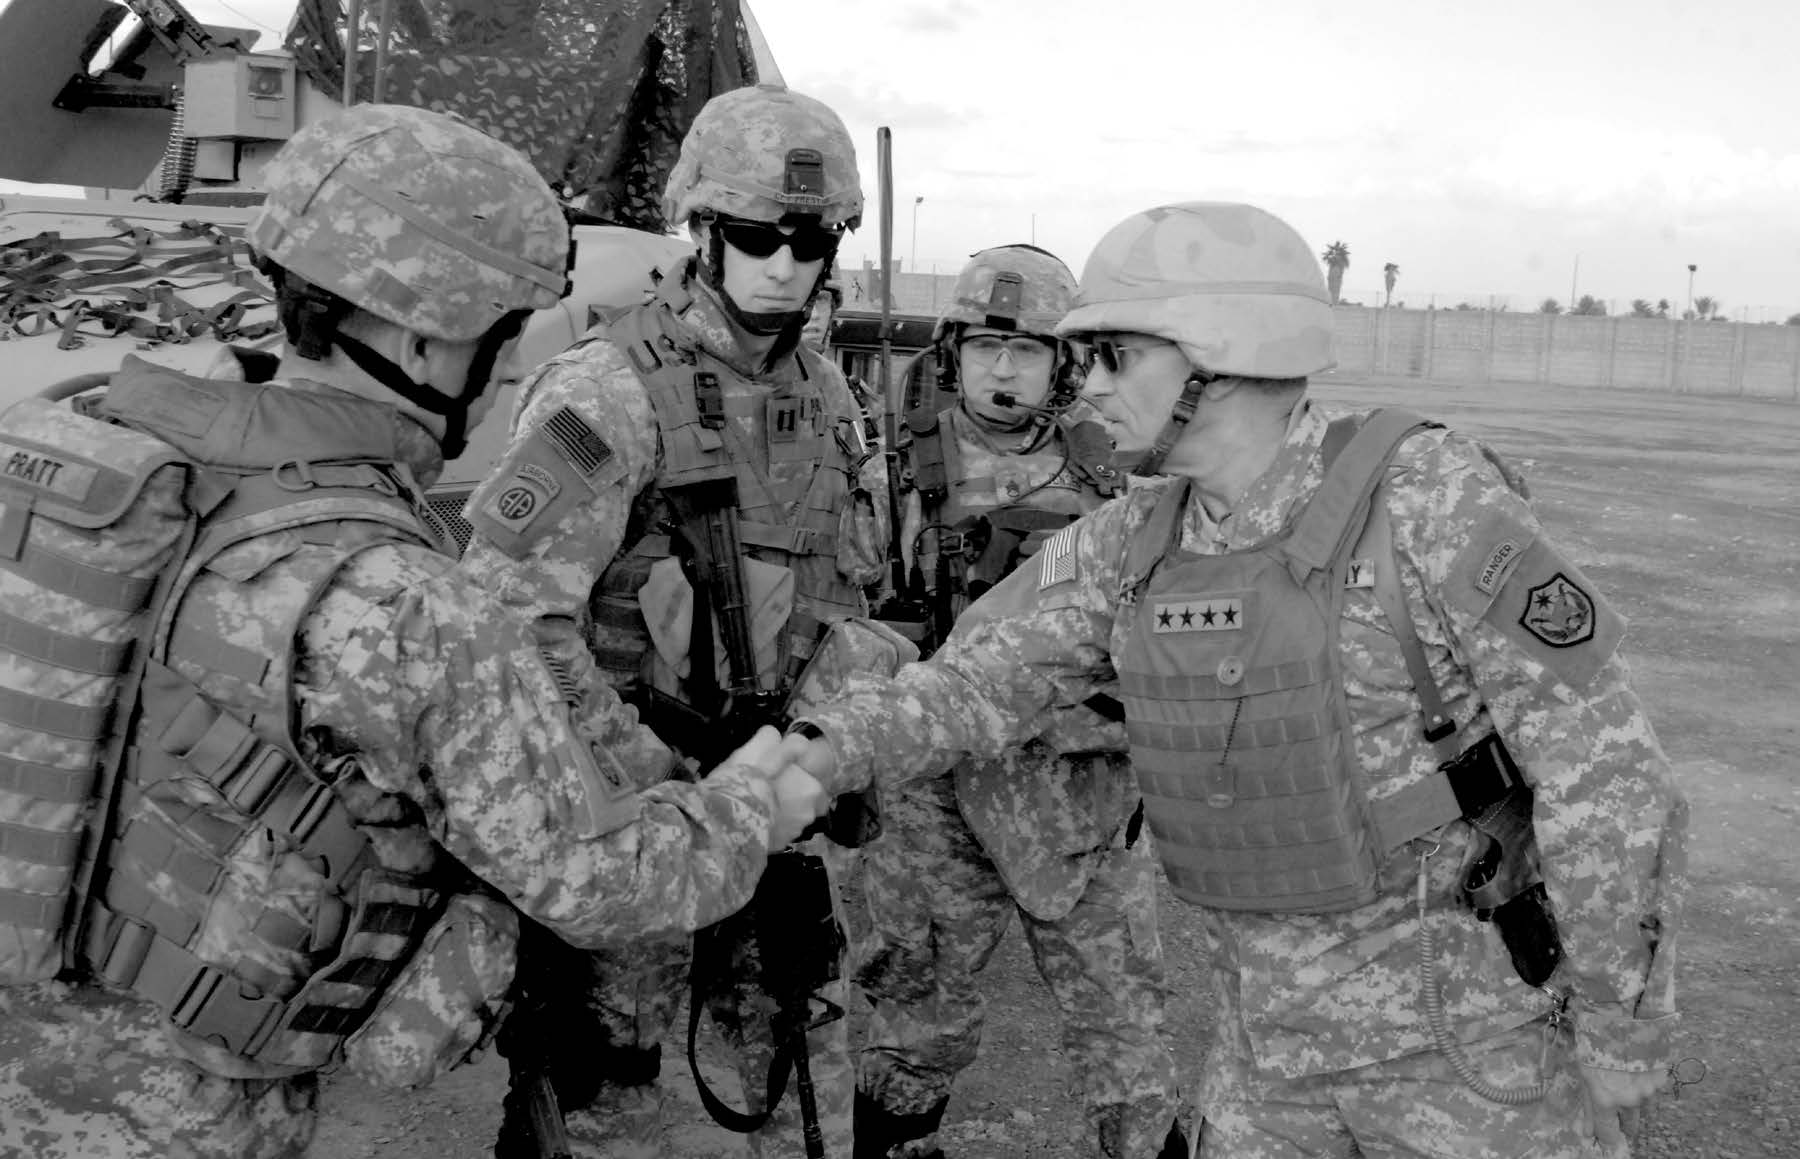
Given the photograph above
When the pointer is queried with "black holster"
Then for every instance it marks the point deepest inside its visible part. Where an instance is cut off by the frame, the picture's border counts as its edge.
(1503, 885)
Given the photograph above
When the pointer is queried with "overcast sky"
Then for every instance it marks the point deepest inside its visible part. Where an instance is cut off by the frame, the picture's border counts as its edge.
(1486, 149)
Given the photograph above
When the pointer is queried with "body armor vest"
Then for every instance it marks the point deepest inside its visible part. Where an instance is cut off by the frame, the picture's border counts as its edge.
(1236, 710)
(233, 886)
(989, 500)
(786, 447)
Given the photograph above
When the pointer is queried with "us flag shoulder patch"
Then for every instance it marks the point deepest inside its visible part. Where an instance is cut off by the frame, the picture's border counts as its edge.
(1056, 562)
(576, 441)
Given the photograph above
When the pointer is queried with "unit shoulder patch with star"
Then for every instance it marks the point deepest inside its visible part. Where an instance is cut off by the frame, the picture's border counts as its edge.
(1508, 575)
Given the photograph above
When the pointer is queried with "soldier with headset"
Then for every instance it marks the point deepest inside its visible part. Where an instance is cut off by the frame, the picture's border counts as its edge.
(1050, 829)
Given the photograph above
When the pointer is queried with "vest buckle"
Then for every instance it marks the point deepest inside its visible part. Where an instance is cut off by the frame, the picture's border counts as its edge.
(709, 400)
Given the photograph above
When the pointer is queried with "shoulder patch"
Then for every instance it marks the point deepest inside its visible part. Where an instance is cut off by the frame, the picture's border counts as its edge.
(1559, 612)
(541, 476)
(1511, 577)
(1498, 565)
(576, 441)
(1056, 562)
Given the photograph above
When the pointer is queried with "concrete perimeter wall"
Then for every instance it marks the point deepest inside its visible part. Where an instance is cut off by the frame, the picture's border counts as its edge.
(1475, 346)
(1478, 346)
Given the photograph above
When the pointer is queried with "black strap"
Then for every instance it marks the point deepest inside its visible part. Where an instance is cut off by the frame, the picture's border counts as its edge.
(727, 1116)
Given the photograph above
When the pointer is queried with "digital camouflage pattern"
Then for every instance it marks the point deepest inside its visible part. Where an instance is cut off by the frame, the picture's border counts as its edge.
(1045, 291)
(1415, 1105)
(549, 577)
(440, 720)
(457, 981)
(1028, 830)
(939, 905)
(85, 1074)
(416, 217)
(61, 476)
(734, 160)
(1321, 995)
(1236, 286)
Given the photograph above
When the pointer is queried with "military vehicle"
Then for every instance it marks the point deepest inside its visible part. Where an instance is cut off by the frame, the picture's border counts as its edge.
(167, 124)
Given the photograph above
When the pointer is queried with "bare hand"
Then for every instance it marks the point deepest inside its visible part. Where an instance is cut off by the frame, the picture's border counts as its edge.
(814, 755)
(799, 801)
(1614, 1094)
(762, 753)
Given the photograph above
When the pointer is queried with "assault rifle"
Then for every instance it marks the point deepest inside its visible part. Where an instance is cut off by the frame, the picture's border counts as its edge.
(787, 939)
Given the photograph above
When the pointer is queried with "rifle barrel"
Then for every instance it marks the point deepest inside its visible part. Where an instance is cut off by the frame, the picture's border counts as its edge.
(884, 170)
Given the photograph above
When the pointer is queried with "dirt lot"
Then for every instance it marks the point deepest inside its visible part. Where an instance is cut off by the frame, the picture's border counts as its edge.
(1687, 512)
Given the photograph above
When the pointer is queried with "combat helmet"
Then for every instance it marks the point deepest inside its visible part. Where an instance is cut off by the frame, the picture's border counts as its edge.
(765, 154)
(419, 219)
(1234, 286)
(1023, 289)
(762, 153)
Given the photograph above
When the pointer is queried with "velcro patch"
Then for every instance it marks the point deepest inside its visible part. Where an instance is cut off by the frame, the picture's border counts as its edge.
(1491, 575)
(1056, 562)
(46, 471)
(521, 497)
(1360, 574)
(527, 493)
(576, 441)
(610, 800)
(1551, 611)
(1197, 613)
(1559, 612)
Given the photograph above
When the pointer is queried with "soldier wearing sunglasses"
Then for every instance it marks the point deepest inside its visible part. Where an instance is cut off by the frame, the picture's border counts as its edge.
(698, 414)
(1388, 744)
(1000, 462)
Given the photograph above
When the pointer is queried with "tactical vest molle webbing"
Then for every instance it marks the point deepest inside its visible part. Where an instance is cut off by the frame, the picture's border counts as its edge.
(703, 410)
(259, 497)
(980, 503)
(1236, 711)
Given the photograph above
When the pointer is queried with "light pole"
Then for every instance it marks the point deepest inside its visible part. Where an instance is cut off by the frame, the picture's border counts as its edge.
(1690, 307)
(912, 262)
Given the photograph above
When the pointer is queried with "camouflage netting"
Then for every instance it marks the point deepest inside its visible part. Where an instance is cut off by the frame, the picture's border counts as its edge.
(598, 93)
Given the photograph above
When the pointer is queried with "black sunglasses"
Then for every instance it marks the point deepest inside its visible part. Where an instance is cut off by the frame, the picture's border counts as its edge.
(761, 240)
(1111, 354)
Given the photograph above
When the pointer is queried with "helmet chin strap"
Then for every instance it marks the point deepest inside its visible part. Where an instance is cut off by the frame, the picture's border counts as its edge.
(1150, 463)
(786, 324)
(454, 410)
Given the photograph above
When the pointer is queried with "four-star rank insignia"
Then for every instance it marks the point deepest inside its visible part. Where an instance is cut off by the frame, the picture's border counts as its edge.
(1197, 614)
(1559, 613)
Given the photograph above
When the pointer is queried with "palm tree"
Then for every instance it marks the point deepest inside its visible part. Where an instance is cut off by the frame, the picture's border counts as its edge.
(1337, 260)
(1662, 307)
(1641, 308)
(1389, 273)
(1705, 307)
(1549, 306)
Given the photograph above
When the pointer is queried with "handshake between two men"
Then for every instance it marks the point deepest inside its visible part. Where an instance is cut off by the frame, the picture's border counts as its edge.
(792, 768)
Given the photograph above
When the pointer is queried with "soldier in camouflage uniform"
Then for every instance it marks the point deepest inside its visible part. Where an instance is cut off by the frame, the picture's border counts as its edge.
(1333, 694)
(338, 713)
(1054, 836)
(708, 378)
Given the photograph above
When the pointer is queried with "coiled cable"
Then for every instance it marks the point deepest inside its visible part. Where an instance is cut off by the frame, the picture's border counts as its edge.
(1432, 996)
